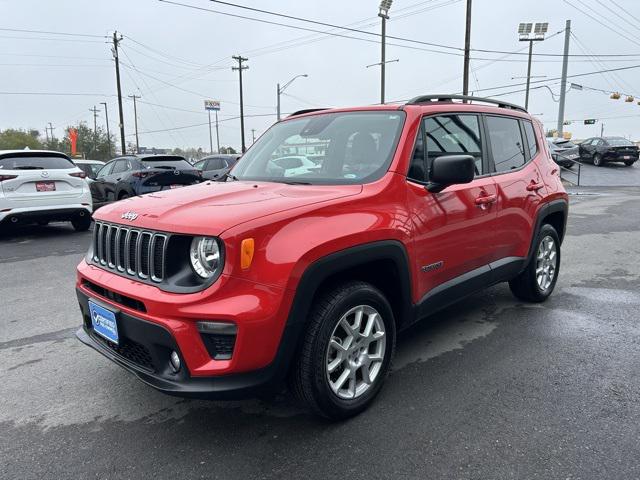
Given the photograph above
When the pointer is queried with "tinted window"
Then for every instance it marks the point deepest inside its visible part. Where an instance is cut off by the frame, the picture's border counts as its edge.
(506, 143)
(106, 170)
(215, 164)
(453, 135)
(24, 162)
(619, 142)
(531, 138)
(200, 165)
(417, 169)
(346, 148)
(168, 163)
(121, 166)
(91, 169)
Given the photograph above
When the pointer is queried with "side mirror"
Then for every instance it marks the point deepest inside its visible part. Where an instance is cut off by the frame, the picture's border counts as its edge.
(451, 170)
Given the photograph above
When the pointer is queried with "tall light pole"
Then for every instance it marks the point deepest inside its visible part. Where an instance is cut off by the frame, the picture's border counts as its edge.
(95, 127)
(135, 118)
(106, 117)
(528, 32)
(281, 89)
(383, 13)
(240, 59)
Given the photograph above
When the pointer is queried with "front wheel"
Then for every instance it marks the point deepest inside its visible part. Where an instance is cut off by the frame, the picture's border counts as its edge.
(538, 280)
(346, 352)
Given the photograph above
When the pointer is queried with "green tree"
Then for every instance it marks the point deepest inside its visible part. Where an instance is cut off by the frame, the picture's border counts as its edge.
(228, 150)
(17, 139)
(90, 145)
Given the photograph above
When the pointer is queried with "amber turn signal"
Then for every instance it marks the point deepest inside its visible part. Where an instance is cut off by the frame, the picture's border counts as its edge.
(246, 252)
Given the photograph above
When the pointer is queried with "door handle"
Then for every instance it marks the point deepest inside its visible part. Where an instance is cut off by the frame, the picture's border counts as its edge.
(485, 200)
(534, 187)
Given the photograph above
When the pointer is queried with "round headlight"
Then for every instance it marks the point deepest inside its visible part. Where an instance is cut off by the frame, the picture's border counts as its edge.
(205, 256)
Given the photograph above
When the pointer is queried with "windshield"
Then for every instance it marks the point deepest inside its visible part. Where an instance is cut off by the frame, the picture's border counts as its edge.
(24, 162)
(330, 148)
(619, 142)
(167, 163)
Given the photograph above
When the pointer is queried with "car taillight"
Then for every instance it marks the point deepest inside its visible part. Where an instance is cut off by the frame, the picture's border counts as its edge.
(78, 175)
(140, 174)
(7, 177)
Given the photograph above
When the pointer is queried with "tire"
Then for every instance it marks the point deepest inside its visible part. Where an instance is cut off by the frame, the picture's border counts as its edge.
(597, 160)
(81, 224)
(123, 195)
(629, 163)
(42, 223)
(527, 285)
(310, 379)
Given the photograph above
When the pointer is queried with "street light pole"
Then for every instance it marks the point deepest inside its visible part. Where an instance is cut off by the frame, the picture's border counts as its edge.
(282, 89)
(240, 59)
(383, 13)
(528, 32)
(135, 117)
(210, 134)
(106, 117)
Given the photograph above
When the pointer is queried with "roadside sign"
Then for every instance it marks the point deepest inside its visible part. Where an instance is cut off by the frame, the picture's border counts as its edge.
(212, 105)
(590, 121)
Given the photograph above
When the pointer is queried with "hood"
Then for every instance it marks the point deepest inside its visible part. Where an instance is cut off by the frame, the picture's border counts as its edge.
(210, 208)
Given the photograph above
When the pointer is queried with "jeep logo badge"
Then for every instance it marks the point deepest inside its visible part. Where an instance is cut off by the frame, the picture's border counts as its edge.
(131, 216)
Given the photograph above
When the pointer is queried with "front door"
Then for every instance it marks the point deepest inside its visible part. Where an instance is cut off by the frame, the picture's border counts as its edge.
(453, 229)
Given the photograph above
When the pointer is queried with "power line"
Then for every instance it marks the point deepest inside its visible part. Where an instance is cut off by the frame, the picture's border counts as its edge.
(600, 22)
(51, 39)
(69, 94)
(53, 33)
(625, 11)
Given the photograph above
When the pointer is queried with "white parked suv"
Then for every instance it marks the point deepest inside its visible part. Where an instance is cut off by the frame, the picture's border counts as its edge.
(38, 186)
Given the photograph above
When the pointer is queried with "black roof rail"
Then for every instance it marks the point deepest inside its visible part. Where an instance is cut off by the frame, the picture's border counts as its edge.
(450, 98)
(308, 110)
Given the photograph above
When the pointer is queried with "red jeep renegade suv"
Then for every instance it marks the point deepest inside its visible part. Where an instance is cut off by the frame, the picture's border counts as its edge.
(334, 231)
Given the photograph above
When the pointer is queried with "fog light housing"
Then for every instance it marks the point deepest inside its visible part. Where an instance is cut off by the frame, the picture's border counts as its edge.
(219, 338)
(174, 362)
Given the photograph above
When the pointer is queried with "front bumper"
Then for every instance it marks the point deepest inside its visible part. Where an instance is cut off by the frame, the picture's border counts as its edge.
(145, 347)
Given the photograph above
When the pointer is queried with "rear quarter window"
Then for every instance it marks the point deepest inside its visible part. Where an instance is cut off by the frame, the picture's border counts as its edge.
(506, 142)
(35, 162)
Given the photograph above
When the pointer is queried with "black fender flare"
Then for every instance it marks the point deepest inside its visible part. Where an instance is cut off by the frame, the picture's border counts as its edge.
(554, 206)
(323, 268)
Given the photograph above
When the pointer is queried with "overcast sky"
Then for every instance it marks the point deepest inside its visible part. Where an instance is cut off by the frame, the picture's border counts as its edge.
(174, 56)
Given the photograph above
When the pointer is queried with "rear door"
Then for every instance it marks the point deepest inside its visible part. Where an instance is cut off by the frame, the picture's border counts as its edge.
(453, 229)
(519, 182)
(99, 185)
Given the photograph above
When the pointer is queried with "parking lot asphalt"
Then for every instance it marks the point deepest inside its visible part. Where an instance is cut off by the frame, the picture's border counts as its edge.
(489, 388)
(609, 175)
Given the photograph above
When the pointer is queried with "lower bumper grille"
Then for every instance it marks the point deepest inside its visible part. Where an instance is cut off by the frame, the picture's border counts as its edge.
(132, 351)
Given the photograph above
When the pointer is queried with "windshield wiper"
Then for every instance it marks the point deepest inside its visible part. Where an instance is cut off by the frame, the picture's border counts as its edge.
(296, 182)
(28, 167)
(224, 176)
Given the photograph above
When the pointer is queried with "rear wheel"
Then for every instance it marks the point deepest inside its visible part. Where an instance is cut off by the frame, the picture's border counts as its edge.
(123, 195)
(81, 224)
(538, 280)
(346, 352)
(628, 163)
(597, 160)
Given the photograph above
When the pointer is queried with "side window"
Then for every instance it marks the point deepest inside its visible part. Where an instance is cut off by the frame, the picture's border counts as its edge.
(215, 164)
(417, 169)
(106, 170)
(120, 166)
(200, 165)
(531, 138)
(595, 142)
(506, 143)
(453, 135)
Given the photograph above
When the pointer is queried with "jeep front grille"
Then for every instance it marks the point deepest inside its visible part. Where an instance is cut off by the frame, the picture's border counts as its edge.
(130, 251)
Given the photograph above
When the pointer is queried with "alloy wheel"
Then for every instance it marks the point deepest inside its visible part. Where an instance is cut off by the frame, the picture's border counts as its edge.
(546, 262)
(356, 352)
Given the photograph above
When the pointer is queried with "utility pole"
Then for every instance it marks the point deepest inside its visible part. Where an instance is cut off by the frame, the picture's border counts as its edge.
(217, 133)
(240, 68)
(46, 132)
(467, 48)
(117, 40)
(135, 118)
(51, 128)
(95, 127)
(106, 117)
(526, 96)
(563, 82)
(278, 94)
(383, 13)
(210, 134)
(601, 129)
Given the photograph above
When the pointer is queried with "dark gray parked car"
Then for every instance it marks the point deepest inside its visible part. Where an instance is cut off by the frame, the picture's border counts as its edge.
(215, 167)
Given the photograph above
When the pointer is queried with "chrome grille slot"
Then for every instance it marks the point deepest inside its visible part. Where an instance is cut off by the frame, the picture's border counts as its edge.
(130, 252)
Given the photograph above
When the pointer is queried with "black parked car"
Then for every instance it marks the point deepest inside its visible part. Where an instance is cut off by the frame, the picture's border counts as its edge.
(564, 152)
(132, 175)
(214, 167)
(609, 149)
